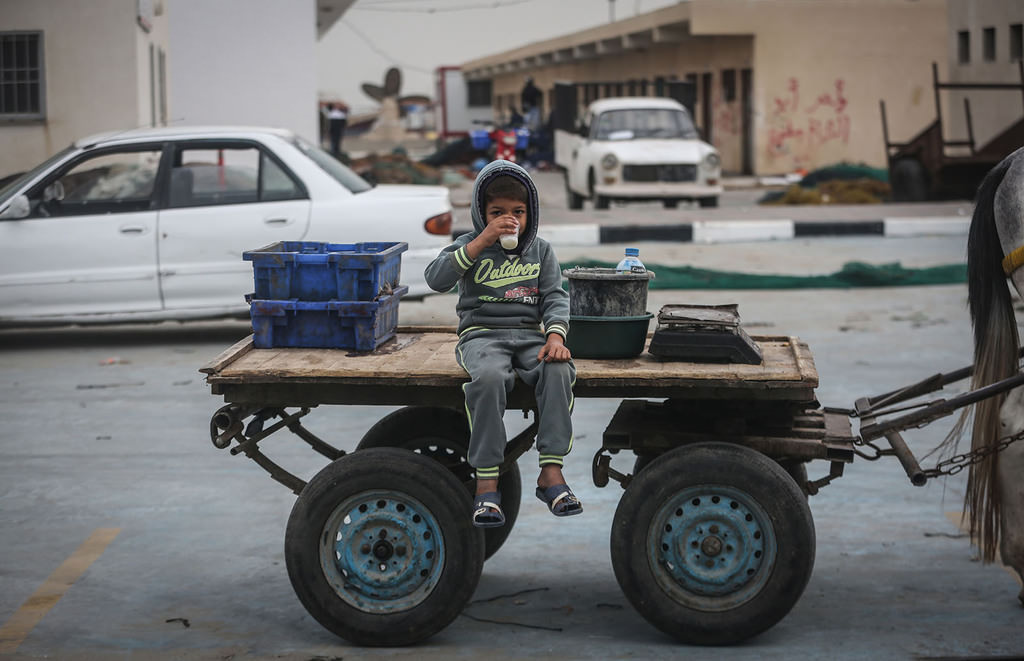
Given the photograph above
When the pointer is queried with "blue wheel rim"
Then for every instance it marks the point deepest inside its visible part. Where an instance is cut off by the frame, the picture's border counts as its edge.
(711, 547)
(382, 551)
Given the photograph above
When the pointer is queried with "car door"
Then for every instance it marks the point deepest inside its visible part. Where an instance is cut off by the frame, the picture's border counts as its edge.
(88, 245)
(582, 156)
(223, 198)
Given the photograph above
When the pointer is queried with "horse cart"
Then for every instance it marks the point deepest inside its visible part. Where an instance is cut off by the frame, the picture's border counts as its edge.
(712, 540)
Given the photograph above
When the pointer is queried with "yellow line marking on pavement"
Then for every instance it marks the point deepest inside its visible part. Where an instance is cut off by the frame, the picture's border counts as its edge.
(957, 520)
(17, 628)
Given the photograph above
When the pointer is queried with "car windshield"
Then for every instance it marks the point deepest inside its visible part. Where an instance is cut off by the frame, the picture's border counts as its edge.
(333, 167)
(641, 123)
(8, 191)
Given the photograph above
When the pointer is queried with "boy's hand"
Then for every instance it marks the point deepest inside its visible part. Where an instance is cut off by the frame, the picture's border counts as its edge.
(498, 227)
(554, 350)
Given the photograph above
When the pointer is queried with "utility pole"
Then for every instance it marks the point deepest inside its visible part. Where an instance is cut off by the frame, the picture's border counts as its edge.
(611, 11)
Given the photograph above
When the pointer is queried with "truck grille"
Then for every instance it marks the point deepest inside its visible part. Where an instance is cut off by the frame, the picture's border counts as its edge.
(665, 172)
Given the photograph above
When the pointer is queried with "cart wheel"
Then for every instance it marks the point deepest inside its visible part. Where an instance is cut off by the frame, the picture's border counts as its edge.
(443, 434)
(909, 181)
(380, 549)
(713, 543)
(796, 469)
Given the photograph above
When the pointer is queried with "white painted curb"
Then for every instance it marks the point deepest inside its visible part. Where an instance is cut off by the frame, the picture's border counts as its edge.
(906, 227)
(722, 231)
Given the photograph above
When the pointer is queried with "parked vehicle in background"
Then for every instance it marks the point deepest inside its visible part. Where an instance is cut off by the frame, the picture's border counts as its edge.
(150, 224)
(637, 148)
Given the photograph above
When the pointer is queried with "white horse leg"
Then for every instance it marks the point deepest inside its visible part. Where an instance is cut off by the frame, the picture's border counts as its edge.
(1011, 486)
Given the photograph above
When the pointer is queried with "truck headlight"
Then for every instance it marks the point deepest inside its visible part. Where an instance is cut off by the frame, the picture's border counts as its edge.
(712, 161)
(609, 161)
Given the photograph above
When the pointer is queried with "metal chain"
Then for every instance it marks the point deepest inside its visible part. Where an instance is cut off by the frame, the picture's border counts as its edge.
(958, 462)
(950, 466)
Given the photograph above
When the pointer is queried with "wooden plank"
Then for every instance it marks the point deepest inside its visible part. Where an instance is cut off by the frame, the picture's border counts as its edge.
(228, 356)
(421, 359)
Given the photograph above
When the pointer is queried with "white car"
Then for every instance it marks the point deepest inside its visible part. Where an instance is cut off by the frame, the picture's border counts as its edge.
(150, 224)
(638, 148)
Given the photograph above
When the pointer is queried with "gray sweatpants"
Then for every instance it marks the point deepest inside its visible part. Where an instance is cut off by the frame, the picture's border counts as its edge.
(493, 358)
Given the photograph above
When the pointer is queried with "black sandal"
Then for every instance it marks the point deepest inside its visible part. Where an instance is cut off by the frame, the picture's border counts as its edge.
(487, 510)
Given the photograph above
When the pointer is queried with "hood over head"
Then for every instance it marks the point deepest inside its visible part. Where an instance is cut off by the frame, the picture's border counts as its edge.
(500, 168)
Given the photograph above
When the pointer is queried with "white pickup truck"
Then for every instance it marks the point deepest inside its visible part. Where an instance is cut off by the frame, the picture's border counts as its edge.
(637, 148)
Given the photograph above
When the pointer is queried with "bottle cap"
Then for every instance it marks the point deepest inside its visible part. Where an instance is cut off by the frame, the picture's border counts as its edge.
(632, 251)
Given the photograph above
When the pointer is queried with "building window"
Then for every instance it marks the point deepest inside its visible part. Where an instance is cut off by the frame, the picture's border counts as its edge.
(479, 92)
(1016, 41)
(729, 85)
(988, 44)
(21, 75)
(963, 47)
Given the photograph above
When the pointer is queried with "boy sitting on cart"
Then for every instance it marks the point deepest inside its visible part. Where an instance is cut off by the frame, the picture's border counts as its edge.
(513, 319)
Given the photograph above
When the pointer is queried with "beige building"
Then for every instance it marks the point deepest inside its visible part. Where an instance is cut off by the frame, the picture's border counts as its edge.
(781, 84)
(75, 68)
(985, 45)
(72, 68)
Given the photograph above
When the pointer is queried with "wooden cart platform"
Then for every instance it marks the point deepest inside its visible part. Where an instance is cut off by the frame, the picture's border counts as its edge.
(418, 367)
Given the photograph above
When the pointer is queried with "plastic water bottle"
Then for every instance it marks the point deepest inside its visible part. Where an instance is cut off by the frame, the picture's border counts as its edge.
(631, 262)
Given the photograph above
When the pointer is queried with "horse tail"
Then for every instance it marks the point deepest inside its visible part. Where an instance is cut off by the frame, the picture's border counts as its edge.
(996, 346)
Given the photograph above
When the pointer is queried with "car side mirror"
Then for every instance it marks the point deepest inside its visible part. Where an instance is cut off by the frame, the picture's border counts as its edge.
(18, 208)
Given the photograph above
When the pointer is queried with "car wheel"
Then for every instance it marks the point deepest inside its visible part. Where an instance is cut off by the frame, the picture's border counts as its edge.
(706, 202)
(575, 199)
(669, 204)
(600, 201)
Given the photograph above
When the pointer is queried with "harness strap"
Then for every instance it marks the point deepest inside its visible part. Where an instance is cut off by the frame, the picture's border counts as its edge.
(1014, 260)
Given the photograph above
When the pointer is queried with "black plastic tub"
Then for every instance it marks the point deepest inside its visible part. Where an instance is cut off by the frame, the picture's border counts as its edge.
(607, 337)
(601, 292)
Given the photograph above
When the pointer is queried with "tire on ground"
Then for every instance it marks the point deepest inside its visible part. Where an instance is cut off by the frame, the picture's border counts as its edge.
(724, 504)
(379, 548)
(443, 435)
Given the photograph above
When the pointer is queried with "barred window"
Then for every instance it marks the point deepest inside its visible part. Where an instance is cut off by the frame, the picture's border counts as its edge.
(479, 92)
(21, 75)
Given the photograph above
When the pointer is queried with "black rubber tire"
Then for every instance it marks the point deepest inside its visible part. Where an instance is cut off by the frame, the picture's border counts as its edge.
(798, 471)
(403, 476)
(754, 482)
(443, 435)
(909, 181)
(642, 461)
(669, 204)
(707, 202)
(600, 201)
(575, 200)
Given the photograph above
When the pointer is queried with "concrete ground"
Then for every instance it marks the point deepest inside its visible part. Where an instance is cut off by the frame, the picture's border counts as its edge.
(105, 438)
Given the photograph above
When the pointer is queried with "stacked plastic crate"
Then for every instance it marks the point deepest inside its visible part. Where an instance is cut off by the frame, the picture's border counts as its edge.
(325, 295)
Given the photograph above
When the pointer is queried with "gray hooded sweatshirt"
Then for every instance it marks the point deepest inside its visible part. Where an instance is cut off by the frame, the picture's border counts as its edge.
(519, 288)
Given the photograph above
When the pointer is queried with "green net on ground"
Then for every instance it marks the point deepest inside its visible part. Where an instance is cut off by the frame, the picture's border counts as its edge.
(853, 274)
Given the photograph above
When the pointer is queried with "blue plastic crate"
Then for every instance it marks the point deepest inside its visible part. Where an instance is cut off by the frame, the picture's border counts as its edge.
(359, 325)
(522, 138)
(314, 271)
(480, 139)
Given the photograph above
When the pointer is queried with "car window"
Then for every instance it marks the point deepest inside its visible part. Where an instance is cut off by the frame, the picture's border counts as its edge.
(16, 184)
(107, 182)
(644, 123)
(332, 166)
(204, 176)
(275, 183)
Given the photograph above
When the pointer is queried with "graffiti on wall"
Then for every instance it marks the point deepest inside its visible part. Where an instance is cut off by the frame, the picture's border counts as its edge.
(798, 128)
